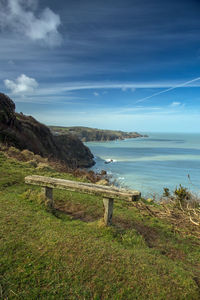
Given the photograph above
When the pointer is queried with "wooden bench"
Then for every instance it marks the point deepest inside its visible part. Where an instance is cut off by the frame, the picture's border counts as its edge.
(107, 192)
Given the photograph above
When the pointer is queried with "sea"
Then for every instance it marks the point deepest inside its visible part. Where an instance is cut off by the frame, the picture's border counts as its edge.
(152, 163)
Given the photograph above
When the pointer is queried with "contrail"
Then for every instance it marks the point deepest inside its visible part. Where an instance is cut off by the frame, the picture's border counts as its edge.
(167, 90)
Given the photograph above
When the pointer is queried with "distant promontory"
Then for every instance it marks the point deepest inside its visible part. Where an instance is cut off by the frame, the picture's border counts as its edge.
(87, 134)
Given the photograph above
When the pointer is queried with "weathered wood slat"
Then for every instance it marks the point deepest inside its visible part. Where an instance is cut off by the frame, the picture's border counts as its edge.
(88, 188)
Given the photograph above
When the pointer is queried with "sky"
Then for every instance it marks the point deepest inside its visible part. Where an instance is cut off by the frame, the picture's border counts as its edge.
(131, 65)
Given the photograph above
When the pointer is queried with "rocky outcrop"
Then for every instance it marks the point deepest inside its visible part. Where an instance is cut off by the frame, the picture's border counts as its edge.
(24, 132)
(7, 110)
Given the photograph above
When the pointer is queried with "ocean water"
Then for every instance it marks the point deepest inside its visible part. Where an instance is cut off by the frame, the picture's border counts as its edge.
(149, 164)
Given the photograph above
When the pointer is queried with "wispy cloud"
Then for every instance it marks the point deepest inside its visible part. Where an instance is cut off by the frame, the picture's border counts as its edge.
(20, 16)
(63, 90)
(126, 87)
(77, 86)
(175, 104)
(23, 84)
(170, 89)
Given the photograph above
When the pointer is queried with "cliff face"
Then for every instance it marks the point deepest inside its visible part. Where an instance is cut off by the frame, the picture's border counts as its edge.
(24, 132)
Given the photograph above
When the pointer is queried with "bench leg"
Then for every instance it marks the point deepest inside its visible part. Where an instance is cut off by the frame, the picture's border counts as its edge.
(108, 213)
(48, 194)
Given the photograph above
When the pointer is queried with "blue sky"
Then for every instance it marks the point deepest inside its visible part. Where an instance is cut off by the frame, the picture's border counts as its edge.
(130, 65)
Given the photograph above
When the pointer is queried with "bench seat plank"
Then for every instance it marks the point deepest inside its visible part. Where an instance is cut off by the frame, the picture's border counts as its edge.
(88, 188)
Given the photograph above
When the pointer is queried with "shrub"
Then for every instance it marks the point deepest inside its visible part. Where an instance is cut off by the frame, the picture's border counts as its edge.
(14, 153)
(28, 155)
(181, 198)
(182, 194)
(44, 167)
(32, 163)
(166, 192)
(3, 147)
(40, 159)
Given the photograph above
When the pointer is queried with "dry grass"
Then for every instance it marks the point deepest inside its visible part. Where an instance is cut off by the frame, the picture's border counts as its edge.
(185, 219)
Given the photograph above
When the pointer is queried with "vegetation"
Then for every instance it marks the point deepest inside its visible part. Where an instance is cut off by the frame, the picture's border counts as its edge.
(182, 205)
(42, 163)
(87, 134)
(71, 255)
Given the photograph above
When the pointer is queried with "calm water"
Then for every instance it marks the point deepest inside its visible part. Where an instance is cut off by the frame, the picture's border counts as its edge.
(149, 164)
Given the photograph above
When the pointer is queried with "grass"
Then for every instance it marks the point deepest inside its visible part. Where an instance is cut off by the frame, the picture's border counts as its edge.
(71, 255)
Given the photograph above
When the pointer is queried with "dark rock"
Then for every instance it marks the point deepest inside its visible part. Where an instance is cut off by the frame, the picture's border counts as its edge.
(24, 132)
(7, 110)
(103, 172)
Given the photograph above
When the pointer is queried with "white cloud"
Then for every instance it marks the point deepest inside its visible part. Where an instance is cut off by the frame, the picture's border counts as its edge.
(175, 104)
(96, 94)
(23, 84)
(20, 16)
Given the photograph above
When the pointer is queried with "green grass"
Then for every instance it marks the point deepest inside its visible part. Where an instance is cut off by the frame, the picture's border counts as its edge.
(71, 255)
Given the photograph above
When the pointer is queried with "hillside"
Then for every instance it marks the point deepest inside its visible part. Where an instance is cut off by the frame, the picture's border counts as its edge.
(86, 134)
(69, 254)
(24, 132)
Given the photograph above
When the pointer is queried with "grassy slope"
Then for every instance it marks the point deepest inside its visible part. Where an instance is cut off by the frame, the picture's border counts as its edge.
(71, 255)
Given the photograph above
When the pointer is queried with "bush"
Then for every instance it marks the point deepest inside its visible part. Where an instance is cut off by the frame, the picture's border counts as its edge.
(14, 153)
(44, 167)
(181, 198)
(3, 147)
(28, 155)
(182, 194)
(40, 159)
(166, 192)
(32, 163)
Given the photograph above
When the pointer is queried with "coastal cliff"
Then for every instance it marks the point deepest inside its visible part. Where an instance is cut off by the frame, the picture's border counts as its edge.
(86, 134)
(24, 132)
